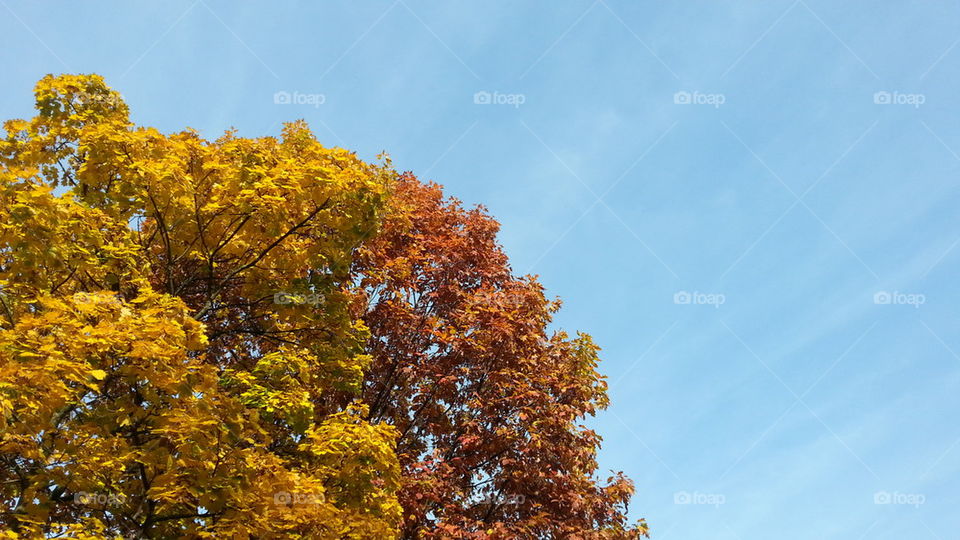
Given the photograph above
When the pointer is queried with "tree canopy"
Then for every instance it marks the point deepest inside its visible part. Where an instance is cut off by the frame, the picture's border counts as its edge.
(261, 338)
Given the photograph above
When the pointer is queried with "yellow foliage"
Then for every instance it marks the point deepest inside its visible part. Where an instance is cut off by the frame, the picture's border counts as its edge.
(150, 381)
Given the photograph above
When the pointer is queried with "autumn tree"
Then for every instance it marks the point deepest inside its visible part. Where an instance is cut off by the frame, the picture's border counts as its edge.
(269, 338)
(150, 383)
(487, 400)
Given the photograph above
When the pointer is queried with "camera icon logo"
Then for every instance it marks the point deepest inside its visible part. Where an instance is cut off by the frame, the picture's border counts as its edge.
(282, 497)
(282, 98)
(681, 98)
(881, 297)
(681, 497)
(482, 98)
(681, 297)
(882, 497)
(882, 98)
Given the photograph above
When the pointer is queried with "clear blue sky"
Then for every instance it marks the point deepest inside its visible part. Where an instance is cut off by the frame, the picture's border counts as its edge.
(798, 400)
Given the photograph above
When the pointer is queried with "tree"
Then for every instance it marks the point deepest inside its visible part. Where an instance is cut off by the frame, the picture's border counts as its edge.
(149, 383)
(263, 338)
(486, 400)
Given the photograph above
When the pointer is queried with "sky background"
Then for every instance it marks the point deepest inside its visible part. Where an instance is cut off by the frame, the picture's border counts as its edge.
(767, 258)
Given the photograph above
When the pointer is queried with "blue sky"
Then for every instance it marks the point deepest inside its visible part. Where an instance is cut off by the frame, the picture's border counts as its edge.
(750, 205)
